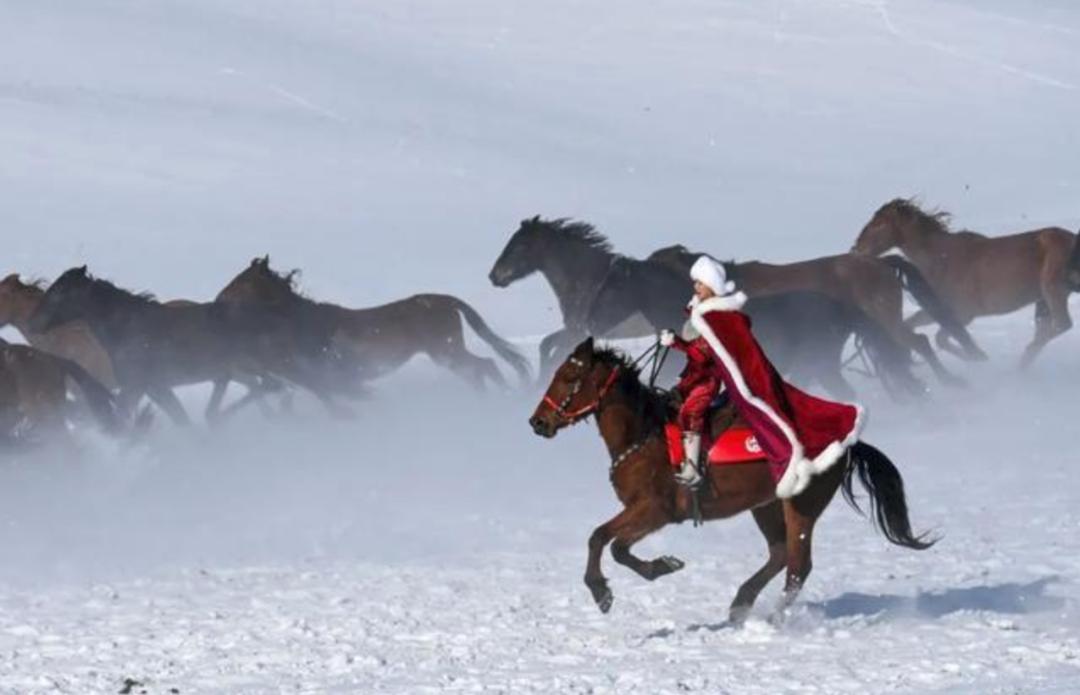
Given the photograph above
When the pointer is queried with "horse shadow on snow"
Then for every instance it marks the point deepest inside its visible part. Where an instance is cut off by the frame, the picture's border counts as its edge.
(1010, 598)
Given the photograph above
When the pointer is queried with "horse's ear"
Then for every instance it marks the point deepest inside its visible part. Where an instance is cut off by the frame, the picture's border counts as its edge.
(584, 348)
(82, 270)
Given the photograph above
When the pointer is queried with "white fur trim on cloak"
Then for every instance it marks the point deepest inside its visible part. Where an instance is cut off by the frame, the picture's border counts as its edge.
(800, 469)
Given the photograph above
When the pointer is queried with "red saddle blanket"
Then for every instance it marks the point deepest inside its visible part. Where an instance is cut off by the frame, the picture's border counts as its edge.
(734, 445)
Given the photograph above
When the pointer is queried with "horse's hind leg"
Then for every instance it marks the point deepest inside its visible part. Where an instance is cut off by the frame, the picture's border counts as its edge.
(475, 370)
(800, 514)
(770, 519)
(167, 401)
(1051, 320)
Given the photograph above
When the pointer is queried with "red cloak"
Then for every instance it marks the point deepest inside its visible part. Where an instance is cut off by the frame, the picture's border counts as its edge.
(800, 434)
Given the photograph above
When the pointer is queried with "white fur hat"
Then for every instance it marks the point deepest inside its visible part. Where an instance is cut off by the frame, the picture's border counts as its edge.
(711, 274)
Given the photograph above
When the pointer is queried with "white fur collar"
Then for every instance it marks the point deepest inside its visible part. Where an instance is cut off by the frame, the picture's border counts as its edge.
(729, 302)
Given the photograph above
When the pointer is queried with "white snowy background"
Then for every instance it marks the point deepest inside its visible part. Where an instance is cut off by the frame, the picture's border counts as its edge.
(434, 544)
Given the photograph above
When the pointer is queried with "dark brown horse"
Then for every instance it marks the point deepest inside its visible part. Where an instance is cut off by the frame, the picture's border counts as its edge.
(875, 286)
(155, 348)
(74, 340)
(979, 275)
(381, 339)
(630, 417)
(34, 404)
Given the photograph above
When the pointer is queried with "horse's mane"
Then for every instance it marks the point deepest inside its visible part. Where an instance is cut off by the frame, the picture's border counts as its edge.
(655, 401)
(937, 220)
(289, 279)
(113, 292)
(577, 231)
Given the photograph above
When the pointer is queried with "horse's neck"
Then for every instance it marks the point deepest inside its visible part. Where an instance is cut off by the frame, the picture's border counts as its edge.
(620, 426)
(661, 297)
(113, 320)
(23, 308)
(927, 247)
(575, 272)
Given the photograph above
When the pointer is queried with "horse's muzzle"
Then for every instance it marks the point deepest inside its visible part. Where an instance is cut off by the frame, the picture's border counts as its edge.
(498, 279)
(542, 427)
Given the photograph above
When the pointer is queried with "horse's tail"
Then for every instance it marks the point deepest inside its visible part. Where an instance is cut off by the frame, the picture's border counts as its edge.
(891, 361)
(888, 505)
(98, 398)
(500, 345)
(915, 282)
(1073, 269)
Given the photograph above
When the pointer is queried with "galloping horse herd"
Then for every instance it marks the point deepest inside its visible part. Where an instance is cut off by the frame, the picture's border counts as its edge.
(96, 351)
(94, 347)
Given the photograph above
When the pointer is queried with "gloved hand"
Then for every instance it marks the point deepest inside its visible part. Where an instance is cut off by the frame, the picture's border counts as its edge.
(667, 338)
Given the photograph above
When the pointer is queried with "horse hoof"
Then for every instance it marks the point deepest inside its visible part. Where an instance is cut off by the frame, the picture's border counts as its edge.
(738, 614)
(671, 564)
(604, 600)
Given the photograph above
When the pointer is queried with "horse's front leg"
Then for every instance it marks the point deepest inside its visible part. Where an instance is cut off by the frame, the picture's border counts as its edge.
(622, 526)
(638, 523)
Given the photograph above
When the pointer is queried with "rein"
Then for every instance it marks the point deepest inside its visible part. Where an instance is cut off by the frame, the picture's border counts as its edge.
(572, 417)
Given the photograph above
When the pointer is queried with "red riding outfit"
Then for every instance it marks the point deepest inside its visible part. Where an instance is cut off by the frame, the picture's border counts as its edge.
(801, 435)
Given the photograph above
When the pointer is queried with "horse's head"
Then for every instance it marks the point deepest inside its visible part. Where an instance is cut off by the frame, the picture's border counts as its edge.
(16, 297)
(259, 284)
(64, 301)
(519, 257)
(576, 391)
(884, 230)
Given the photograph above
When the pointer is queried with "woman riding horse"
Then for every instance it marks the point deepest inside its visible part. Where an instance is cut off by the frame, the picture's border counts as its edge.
(800, 434)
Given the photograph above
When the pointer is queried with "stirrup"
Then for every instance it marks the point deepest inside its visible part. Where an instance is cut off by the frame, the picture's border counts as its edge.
(688, 475)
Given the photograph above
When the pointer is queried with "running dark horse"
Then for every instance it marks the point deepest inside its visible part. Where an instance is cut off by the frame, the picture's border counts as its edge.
(803, 332)
(574, 258)
(34, 401)
(875, 286)
(154, 347)
(381, 339)
(979, 275)
(630, 417)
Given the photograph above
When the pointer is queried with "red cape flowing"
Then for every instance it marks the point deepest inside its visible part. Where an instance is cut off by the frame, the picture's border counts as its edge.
(801, 435)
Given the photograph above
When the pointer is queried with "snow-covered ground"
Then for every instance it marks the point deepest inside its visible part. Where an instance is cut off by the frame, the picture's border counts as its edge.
(434, 544)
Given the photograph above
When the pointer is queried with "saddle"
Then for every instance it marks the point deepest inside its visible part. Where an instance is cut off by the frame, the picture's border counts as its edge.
(728, 440)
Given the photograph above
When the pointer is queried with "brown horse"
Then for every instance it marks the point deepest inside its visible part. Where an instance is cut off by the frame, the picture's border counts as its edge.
(73, 340)
(34, 394)
(631, 416)
(979, 275)
(875, 286)
(383, 338)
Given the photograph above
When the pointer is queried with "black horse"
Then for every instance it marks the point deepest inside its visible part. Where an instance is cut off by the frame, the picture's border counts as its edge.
(804, 333)
(156, 347)
(574, 258)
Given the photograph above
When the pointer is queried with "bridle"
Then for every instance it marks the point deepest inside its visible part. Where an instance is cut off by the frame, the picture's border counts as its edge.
(572, 417)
